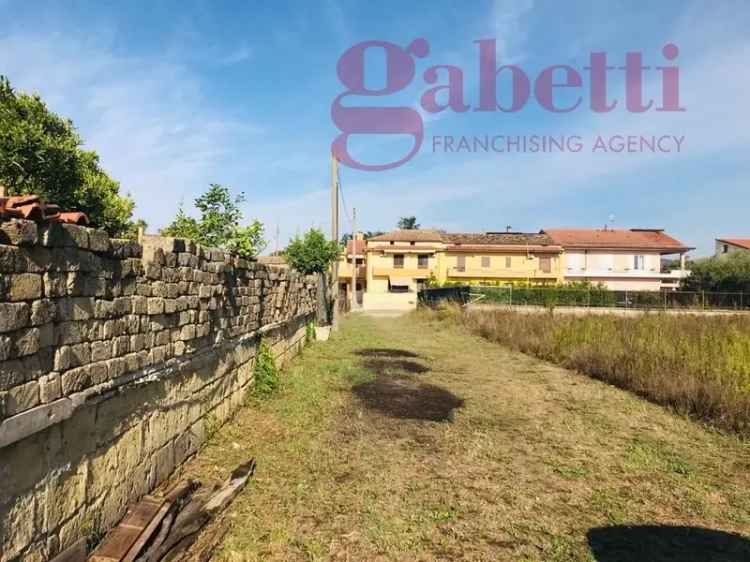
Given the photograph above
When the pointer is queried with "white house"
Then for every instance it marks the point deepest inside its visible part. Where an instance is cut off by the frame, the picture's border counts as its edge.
(621, 259)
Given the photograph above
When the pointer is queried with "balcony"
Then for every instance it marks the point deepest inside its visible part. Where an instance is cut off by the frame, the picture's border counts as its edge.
(345, 271)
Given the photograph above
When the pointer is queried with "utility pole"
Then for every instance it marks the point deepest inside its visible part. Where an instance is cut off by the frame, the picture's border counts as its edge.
(335, 232)
(354, 258)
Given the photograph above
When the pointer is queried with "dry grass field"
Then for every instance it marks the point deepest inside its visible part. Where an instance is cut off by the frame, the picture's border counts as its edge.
(411, 439)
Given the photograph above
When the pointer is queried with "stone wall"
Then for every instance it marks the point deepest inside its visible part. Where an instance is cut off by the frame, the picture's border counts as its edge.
(116, 360)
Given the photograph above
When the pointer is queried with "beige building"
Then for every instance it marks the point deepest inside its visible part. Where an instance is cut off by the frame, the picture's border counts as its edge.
(621, 259)
(726, 246)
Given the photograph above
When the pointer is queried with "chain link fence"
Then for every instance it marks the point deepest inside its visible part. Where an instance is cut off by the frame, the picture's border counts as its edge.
(597, 297)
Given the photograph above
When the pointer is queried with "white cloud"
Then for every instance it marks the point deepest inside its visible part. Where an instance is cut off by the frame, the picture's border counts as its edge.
(147, 118)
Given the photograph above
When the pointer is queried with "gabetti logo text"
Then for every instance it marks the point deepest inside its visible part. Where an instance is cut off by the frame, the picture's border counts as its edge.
(400, 71)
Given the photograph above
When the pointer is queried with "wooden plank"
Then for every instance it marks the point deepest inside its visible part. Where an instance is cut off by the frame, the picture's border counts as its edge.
(117, 544)
(121, 539)
(147, 533)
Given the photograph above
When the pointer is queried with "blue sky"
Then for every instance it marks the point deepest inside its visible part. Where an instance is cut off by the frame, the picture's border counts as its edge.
(176, 95)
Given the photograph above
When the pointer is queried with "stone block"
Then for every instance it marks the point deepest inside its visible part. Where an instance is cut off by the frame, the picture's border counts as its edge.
(101, 350)
(155, 305)
(75, 380)
(18, 232)
(18, 528)
(98, 241)
(49, 388)
(75, 308)
(24, 286)
(42, 312)
(13, 316)
(21, 398)
(24, 342)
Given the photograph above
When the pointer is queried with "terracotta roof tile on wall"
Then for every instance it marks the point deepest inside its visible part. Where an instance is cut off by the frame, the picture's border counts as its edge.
(616, 239)
(741, 242)
(31, 207)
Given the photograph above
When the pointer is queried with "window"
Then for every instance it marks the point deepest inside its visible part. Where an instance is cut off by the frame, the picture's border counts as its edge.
(485, 261)
(422, 260)
(412, 243)
(507, 262)
(638, 263)
(545, 264)
(461, 263)
(398, 261)
(360, 261)
(725, 249)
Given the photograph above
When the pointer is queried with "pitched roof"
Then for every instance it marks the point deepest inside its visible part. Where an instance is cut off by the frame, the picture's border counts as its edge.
(741, 242)
(499, 238)
(417, 235)
(616, 239)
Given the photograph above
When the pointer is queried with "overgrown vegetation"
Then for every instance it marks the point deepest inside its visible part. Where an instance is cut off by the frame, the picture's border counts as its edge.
(698, 365)
(727, 273)
(41, 153)
(265, 372)
(312, 253)
(219, 224)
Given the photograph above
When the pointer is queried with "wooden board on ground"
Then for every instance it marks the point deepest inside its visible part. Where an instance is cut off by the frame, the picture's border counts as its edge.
(118, 543)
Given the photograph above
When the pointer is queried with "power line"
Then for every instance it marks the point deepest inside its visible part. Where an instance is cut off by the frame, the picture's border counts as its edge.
(343, 200)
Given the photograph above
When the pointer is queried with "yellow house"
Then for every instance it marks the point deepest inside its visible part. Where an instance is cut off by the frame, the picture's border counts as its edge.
(500, 258)
(403, 261)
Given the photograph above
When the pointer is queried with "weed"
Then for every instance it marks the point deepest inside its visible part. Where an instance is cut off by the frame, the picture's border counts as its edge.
(309, 333)
(265, 372)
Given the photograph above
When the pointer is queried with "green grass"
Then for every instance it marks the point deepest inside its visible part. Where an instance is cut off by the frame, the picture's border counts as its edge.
(533, 458)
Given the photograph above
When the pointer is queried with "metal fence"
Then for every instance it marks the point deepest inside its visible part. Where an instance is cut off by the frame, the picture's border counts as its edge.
(596, 297)
(433, 297)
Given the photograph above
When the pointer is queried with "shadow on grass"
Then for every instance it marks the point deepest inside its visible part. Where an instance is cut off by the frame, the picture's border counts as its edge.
(394, 366)
(661, 543)
(385, 352)
(403, 397)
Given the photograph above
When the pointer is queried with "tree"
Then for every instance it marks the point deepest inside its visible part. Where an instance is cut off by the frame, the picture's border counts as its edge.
(41, 154)
(726, 273)
(408, 223)
(312, 253)
(219, 224)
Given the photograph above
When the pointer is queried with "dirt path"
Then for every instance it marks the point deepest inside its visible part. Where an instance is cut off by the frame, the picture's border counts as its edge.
(402, 440)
